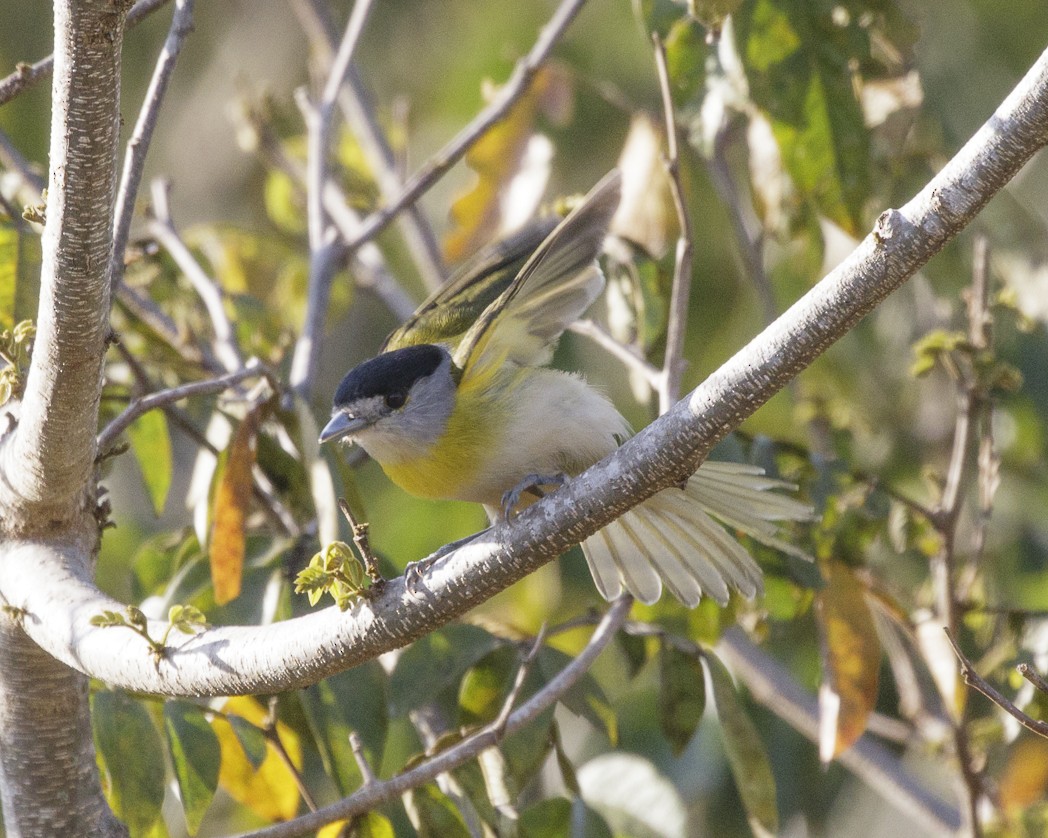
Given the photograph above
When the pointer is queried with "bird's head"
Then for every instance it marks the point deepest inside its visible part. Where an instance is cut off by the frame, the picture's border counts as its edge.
(395, 404)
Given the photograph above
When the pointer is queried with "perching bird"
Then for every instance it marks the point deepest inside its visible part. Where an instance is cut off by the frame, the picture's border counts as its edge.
(459, 405)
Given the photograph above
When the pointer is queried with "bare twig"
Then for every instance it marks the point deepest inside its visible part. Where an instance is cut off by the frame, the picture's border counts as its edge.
(145, 404)
(627, 354)
(26, 75)
(12, 160)
(360, 538)
(380, 791)
(974, 680)
(677, 321)
(504, 100)
(366, 771)
(272, 734)
(498, 726)
(138, 145)
(1034, 677)
(163, 228)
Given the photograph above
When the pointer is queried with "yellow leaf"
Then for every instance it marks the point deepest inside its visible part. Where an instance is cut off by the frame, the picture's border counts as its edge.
(232, 500)
(851, 658)
(1024, 780)
(496, 159)
(332, 830)
(269, 790)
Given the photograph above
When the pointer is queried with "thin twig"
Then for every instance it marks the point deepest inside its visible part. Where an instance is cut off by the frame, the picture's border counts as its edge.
(380, 791)
(13, 161)
(163, 228)
(272, 734)
(504, 100)
(145, 404)
(499, 724)
(974, 680)
(357, 747)
(627, 354)
(27, 75)
(677, 321)
(360, 539)
(1031, 675)
(138, 145)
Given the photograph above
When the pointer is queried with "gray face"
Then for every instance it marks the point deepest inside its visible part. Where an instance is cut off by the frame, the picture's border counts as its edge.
(395, 404)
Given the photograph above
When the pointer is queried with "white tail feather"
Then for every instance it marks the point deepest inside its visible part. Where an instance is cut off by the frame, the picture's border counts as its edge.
(671, 539)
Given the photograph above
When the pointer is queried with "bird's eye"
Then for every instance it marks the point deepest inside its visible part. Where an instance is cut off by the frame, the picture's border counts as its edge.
(395, 400)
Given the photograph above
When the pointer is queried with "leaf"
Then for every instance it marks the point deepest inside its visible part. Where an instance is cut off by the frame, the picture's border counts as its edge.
(682, 696)
(151, 445)
(195, 756)
(851, 660)
(433, 814)
(231, 504)
(20, 257)
(268, 790)
(251, 740)
(368, 825)
(354, 700)
(1024, 780)
(799, 63)
(477, 215)
(435, 662)
(557, 817)
(746, 754)
(485, 685)
(630, 793)
(131, 759)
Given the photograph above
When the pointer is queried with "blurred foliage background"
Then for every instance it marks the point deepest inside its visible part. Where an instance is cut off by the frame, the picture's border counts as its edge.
(804, 122)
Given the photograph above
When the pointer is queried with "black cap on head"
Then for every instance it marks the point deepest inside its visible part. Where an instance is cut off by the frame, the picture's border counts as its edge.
(390, 372)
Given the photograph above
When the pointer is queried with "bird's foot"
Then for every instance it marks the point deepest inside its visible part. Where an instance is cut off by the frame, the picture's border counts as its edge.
(414, 571)
(531, 484)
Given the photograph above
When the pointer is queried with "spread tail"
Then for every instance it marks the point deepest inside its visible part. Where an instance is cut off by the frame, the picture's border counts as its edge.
(672, 540)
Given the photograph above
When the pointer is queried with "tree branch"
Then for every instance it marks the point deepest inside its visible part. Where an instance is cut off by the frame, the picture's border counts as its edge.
(60, 599)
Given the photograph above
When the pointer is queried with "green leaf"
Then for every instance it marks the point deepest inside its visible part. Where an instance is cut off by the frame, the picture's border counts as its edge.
(151, 445)
(434, 815)
(484, 688)
(370, 825)
(354, 700)
(435, 662)
(195, 755)
(557, 817)
(131, 759)
(682, 696)
(250, 739)
(746, 754)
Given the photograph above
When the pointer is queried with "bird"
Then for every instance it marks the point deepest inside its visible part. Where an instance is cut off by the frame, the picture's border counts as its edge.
(460, 404)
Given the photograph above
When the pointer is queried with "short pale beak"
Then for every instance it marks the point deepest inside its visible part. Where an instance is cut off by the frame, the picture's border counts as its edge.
(341, 425)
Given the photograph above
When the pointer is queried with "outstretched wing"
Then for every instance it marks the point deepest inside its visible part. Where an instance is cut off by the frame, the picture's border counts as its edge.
(449, 312)
(555, 286)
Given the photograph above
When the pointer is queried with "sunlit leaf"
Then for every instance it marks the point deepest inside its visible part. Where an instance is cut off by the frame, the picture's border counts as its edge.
(268, 790)
(746, 755)
(368, 825)
(229, 513)
(630, 793)
(585, 698)
(131, 759)
(433, 814)
(195, 756)
(477, 215)
(682, 696)
(851, 659)
(151, 445)
(1024, 780)
(19, 272)
(484, 687)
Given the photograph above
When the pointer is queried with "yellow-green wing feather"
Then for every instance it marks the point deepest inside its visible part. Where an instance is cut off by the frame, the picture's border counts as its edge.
(555, 286)
(447, 315)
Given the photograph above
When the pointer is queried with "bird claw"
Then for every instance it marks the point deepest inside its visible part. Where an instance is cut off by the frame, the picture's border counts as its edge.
(414, 571)
(531, 483)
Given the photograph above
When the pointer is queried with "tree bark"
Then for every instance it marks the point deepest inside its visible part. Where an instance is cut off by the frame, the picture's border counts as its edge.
(48, 778)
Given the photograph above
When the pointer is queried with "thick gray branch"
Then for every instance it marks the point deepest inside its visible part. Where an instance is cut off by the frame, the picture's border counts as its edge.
(61, 601)
(49, 459)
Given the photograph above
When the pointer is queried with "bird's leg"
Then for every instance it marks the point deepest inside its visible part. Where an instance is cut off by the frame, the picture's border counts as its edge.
(414, 570)
(531, 484)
